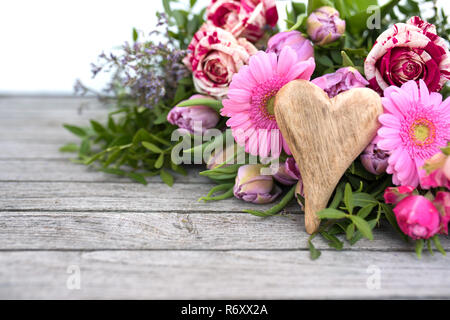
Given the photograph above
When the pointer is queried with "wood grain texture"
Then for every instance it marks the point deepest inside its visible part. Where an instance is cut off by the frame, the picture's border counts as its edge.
(325, 136)
(221, 275)
(180, 230)
(133, 241)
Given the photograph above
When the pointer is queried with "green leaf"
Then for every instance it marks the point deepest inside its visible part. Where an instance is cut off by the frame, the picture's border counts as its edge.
(137, 177)
(150, 146)
(97, 127)
(438, 245)
(76, 130)
(160, 161)
(316, 4)
(362, 199)
(313, 252)
(362, 226)
(333, 241)
(330, 213)
(338, 195)
(70, 147)
(348, 198)
(215, 104)
(298, 7)
(346, 61)
(365, 211)
(166, 177)
(85, 147)
(135, 35)
(166, 5)
(349, 231)
(324, 60)
(419, 248)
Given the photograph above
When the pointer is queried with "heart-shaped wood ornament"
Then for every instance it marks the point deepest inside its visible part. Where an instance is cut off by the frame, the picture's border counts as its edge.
(325, 136)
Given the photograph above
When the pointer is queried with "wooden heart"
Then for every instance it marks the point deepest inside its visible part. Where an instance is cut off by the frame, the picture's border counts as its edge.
(325, 136)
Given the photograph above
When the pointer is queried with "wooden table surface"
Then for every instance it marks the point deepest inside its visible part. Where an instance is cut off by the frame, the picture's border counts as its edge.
(61, 222)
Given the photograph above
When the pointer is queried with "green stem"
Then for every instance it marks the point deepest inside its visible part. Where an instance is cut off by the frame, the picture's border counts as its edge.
(223, 196)
(277, 208)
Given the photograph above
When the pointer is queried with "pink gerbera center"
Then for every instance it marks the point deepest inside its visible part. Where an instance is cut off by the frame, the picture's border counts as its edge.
(262, 102)
(422, 132)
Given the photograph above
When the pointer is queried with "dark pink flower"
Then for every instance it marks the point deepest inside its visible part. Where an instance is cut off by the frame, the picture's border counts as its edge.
(442, 203)
(187, 117)
(341, 80)
(295, 41)
(411, 51)
(394, 195)
(417, 217)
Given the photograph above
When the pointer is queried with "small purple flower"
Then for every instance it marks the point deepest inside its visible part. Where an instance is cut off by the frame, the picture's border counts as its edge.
(374, 159)
(288, 173)
(324, 25)
(253, 187)
(293, 39)
(341, 80)
(188, 117)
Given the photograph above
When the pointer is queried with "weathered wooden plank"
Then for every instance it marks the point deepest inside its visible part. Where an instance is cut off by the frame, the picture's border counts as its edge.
(221, 275)
(64, 170)
(177, 230)
(128, 197)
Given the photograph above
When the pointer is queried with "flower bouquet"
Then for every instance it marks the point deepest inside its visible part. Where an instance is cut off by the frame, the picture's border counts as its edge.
(204, 93)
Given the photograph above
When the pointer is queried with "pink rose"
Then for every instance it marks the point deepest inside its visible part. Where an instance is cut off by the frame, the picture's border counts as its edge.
(215, 55)
(436, 172)
(410, 51)
(442, 203)
(293, 39)
(417, 217)
(245, 18)
(394, 195)
(341, 80)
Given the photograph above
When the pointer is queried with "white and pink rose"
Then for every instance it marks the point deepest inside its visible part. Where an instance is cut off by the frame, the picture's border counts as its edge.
(215, 55)
(243, 18)
(408, 51)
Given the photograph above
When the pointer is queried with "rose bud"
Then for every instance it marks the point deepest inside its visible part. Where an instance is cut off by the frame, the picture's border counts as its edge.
(187, 117)
(417, 217)
(442, 203)
(253, 187)
(324, 25)
(408, 51)
(288, 173)
(394, 195)
(219, 156)
(342, 80)
(374, 159)
(293, 39)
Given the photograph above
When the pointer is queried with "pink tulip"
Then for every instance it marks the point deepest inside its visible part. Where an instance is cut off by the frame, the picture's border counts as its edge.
(436, 172)
(374, 159)
(253, 187)
(288, 173)
(293, 39)
(417, 217)
(324, 25)
(342, 80)
(187, 117)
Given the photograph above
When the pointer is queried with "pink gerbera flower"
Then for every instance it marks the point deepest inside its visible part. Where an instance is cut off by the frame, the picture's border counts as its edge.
(415, 125)
(251, 97)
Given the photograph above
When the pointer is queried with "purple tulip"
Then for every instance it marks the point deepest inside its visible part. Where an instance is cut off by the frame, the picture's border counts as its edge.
(324, 25)
(341, 80)
(295, 41)
(253, 187)
(374, 159)
(186, 117)
(288, 173)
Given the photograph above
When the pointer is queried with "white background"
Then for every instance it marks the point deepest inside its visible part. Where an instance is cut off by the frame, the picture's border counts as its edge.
(46, 44)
